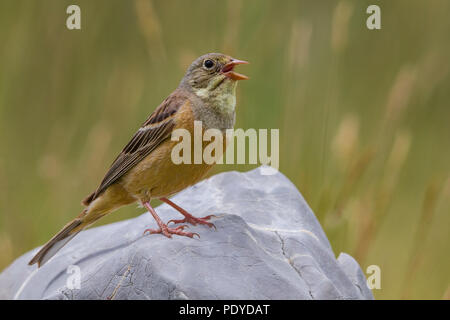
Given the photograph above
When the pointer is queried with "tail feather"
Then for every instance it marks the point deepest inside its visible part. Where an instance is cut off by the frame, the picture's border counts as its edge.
(114, 197)
(58, 241)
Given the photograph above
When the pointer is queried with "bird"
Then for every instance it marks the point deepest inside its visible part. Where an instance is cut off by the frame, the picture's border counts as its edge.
(144, 170)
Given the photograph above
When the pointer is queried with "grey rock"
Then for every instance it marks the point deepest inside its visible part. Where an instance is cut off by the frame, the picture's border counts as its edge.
(268, 245)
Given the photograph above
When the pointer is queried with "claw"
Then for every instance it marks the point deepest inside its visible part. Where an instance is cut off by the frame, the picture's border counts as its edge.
(169, 231)
(187, 216)
(163, 229)
(175, 221)
(165, 232)
(150, 231)
(194, 221)
(182, 227)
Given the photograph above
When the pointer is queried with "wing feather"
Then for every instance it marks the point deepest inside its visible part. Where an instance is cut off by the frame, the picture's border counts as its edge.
(156, 129)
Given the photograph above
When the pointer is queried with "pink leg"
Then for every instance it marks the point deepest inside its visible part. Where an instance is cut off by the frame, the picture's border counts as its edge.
(163, 228)
(188, 217)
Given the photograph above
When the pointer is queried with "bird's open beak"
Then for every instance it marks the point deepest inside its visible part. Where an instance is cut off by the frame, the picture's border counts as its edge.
(227, 70)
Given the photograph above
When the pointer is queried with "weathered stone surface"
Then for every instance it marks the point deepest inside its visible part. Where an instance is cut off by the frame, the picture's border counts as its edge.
(268, 245)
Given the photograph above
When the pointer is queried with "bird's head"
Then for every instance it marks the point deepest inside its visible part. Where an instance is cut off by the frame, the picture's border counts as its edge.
(212, 75)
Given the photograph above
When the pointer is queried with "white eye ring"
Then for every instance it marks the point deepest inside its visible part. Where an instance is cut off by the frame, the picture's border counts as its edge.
(208, 64)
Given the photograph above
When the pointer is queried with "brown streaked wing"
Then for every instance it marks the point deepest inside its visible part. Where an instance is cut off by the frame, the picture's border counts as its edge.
(157, 128)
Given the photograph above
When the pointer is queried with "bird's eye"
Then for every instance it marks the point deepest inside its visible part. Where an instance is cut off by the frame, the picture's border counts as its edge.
(208, 64)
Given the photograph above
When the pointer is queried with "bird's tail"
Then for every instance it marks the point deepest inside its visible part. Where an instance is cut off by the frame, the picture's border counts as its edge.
(66, 234)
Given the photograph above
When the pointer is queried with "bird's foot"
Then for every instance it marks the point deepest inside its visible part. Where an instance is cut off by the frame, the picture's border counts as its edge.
(194, 221)
(188, 218)
(165, 230)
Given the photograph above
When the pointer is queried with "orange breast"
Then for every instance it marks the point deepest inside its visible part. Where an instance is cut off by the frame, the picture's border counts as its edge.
(157, 175)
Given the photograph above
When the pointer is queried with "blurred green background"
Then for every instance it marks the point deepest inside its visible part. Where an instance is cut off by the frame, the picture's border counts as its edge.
(364, 116)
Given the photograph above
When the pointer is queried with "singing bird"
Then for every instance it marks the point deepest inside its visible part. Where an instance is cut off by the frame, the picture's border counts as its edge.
(144, 169)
